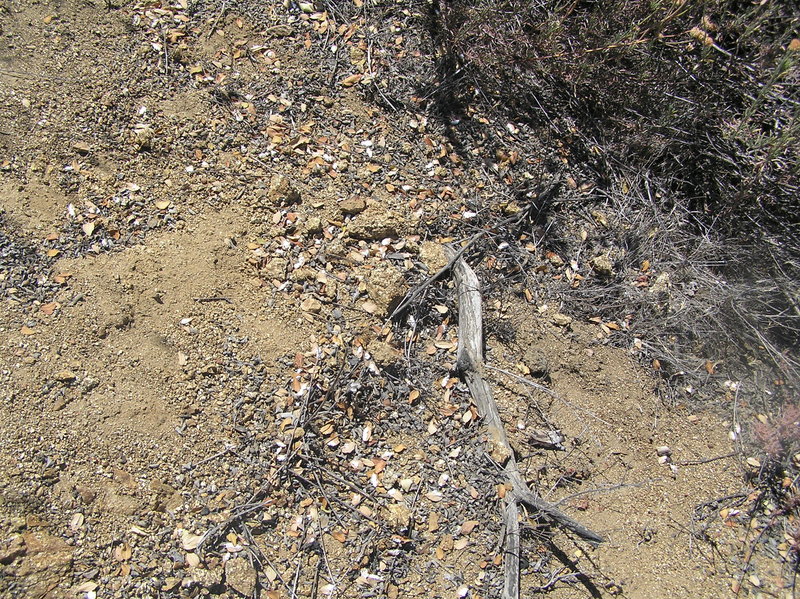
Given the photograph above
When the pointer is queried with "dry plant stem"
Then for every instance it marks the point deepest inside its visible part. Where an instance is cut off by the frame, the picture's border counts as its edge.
(470, 365)
(707, 460)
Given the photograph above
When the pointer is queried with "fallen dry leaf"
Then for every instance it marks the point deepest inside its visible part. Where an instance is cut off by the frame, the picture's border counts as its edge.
(433, 522)
(122, 552)
(351, 80)
(468, 527)
(76, 521)
(48, 308)
(271, 573)
(190, 541)
(501, 491)
(192, 560)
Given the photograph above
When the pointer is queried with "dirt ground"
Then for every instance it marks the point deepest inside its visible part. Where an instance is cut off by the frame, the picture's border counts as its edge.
(202, 233)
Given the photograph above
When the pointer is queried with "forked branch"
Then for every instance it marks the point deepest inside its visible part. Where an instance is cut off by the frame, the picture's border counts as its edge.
(471, 366)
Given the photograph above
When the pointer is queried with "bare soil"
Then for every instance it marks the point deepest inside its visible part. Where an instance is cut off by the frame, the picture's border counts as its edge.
(179, 326)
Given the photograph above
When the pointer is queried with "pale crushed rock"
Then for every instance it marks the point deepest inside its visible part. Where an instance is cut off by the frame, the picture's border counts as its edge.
(432, 256)
(386, 287)
(375, 223)
(281, 191)
(353, 205)
(241, 576)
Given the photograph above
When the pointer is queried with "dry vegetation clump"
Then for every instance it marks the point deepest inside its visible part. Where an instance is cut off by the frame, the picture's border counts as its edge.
(774, 503)
(685, 115)
(674, 125)
(779, 437)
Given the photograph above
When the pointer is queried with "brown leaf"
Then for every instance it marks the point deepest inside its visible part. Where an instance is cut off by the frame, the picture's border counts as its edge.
(271, 573)
(468, 527)
(189, 541)
(351, 80)
(48, 308)
(433, 522)
(448, 410)
(501, 491)
(77, 521)
(434, 496)
(122, 552)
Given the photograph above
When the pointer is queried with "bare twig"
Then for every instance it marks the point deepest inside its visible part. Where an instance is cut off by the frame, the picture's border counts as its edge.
(221, 12)
(706, 460)
(228, 449)
(204, 300)
(605, 489)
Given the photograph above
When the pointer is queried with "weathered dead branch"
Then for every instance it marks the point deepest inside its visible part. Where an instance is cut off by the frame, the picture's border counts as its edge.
(470, 365)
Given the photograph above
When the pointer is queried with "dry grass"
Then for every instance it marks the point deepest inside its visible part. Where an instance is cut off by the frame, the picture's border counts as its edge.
(685, 112)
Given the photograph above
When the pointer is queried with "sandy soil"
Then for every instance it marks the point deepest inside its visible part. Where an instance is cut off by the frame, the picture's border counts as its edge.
(172, 309)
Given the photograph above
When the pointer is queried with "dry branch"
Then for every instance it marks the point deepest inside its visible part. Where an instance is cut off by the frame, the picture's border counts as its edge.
(470, 365)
